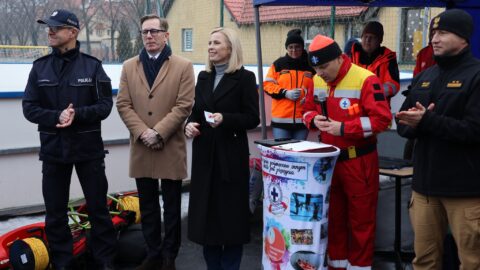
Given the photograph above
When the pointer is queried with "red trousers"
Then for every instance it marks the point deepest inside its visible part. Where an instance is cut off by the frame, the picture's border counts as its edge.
(352, 213)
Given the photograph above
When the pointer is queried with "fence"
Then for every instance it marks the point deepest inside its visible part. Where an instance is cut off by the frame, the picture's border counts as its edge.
(110, 28)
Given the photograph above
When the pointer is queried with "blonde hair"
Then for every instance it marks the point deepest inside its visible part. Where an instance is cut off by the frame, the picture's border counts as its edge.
(235, 62)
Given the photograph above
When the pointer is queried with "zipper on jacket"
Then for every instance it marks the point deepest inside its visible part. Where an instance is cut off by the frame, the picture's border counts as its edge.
(295, 102)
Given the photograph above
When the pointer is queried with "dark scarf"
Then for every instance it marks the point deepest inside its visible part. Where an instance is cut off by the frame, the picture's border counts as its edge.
(152, 68)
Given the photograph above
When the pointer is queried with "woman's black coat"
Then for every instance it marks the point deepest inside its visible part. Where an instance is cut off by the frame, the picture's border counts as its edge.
(218, 213)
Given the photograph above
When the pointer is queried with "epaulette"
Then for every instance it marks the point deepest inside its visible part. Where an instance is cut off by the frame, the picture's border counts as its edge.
(90, 56)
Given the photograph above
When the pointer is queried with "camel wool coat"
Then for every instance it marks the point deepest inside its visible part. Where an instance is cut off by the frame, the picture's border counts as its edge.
(164, 107)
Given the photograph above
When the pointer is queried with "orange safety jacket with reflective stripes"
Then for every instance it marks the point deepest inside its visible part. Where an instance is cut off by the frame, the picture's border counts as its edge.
(356, 99)
(385, 66)
(284, 75)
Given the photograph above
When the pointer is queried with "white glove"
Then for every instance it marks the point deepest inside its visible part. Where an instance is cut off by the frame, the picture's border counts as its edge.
(293, 94)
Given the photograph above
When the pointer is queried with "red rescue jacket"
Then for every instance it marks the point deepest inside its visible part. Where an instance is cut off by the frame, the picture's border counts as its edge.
(356, 99)
(385, 66)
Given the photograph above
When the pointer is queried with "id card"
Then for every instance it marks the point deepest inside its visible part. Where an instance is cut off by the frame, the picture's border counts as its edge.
(209, 117)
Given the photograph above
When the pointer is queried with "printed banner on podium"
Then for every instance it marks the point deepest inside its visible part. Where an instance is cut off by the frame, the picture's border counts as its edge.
(295, 207)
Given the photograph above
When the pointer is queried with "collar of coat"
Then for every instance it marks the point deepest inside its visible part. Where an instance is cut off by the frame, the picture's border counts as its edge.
(162, 73)
(206, 82)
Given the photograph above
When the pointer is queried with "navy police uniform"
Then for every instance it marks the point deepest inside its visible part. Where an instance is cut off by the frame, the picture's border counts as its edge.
(55, 81)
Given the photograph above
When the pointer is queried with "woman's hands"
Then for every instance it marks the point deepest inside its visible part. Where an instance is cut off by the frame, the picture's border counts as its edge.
(217, 118)
(191, 130)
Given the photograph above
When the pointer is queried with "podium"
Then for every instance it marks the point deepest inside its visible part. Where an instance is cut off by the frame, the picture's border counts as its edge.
(296, 182)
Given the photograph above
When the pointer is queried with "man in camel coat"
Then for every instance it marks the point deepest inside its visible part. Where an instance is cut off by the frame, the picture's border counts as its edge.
(155, 97)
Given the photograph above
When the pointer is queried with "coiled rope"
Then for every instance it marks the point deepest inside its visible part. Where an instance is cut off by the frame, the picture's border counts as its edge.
(130, 203)
(39, 251)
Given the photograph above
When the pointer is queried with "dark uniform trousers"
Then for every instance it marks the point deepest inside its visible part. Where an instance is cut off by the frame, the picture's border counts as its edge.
(56, 188)
(151, 216)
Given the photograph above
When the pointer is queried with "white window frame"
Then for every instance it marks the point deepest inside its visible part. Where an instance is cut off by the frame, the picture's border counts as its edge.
(187, 39)
(408, 26)
(314, 29)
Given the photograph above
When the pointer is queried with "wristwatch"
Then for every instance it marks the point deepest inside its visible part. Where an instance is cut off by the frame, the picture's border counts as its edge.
(159, 138)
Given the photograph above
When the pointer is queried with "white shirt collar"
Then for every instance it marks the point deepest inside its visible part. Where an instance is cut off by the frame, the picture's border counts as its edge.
(153, 55)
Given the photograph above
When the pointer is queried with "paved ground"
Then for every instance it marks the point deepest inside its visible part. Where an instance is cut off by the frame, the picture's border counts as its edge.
(190, 256)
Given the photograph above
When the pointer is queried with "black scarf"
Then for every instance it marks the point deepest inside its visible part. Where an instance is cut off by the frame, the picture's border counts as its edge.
(151, 67)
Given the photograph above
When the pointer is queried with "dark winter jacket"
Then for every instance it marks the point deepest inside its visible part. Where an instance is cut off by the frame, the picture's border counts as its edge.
(55, 81)
(446, 155)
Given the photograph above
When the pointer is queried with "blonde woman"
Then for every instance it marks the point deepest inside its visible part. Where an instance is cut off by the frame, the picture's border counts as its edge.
(226, 106)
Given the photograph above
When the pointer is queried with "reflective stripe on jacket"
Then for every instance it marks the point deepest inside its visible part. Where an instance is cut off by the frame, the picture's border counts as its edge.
(356, 99)
(286, 74)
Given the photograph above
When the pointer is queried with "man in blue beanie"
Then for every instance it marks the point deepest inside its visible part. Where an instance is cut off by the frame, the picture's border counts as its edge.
(442, 113)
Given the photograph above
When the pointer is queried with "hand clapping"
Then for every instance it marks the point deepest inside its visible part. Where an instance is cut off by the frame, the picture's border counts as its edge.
(66, 117)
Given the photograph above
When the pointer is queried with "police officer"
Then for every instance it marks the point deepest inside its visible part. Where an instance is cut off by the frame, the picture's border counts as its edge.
(68, 94)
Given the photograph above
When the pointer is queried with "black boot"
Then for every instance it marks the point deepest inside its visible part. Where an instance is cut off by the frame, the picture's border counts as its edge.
(168, 264)
(150, 264)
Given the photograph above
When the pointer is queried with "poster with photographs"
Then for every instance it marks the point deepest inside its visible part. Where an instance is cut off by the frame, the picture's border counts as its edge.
(295, 208)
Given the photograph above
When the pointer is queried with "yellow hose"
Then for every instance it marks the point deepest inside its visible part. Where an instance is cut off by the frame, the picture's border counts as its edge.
(40, 252)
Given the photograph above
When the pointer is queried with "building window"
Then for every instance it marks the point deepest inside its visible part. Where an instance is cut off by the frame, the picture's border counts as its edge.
(313, 30)
(353, 30)
(108, 32)
(187, 40)
(99, 32)
(411, 37)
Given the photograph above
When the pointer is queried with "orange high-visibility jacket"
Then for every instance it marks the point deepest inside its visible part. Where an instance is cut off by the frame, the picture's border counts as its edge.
(284, 75)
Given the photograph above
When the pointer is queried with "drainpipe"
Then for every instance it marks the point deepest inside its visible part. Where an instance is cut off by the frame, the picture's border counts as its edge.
(148, 7)
(332, 22)
(160, 9)
(221, 13)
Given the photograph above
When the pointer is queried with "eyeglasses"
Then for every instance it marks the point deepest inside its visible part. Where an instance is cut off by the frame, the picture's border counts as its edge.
(153, 32)
(55, 29)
